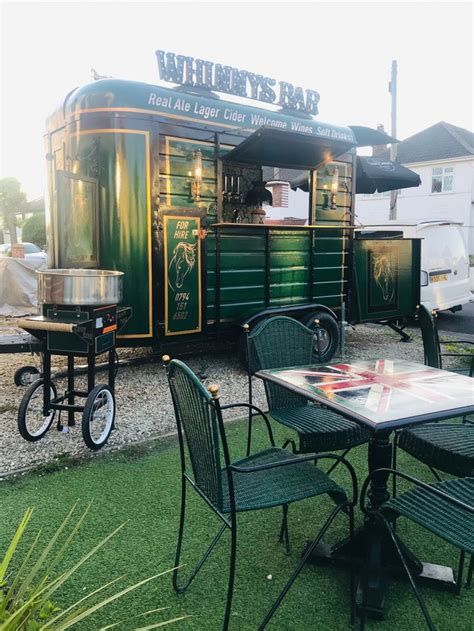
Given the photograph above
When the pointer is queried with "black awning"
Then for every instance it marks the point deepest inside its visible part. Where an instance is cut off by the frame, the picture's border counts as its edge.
(287, 149)
(373, 174)
(368, 137)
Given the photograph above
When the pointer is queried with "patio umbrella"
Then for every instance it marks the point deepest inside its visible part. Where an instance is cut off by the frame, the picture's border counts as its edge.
(373, 175)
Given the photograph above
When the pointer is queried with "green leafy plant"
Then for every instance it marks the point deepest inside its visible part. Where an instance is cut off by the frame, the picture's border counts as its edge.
(27, 593)
(34, 230)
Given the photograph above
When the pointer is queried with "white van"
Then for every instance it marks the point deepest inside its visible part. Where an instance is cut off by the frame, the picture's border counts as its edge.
(444, 260)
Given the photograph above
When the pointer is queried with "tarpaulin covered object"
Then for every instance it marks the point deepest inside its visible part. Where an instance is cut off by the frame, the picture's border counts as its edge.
(19, 286)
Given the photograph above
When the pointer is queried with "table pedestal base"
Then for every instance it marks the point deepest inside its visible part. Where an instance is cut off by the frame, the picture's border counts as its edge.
(377, 561)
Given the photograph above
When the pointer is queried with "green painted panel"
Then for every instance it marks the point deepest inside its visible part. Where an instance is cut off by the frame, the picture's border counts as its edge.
(124, 213)
(279, 259)
(242, 244)
(246, 260)
(245, 294)
(284, 242)
(289, 275)
(328, 259)
(325, 274)
(237, 310)
(243, 278)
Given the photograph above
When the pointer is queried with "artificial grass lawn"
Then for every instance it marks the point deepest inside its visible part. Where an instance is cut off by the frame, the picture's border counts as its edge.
(144, 490)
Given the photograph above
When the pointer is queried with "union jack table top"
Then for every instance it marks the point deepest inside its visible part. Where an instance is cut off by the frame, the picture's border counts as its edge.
(381, 393)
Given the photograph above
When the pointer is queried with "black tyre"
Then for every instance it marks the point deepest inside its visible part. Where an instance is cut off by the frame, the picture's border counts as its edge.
(328, 333)
(25, 375)
(32, 424)
(98, 417)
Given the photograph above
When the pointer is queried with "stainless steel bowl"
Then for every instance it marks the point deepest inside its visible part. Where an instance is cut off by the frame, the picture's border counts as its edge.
(79, 287)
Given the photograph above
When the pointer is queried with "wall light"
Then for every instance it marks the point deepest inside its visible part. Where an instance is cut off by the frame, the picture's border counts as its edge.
(197, 176)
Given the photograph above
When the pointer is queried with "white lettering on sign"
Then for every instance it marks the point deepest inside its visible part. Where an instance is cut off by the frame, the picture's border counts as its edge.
(206, 111)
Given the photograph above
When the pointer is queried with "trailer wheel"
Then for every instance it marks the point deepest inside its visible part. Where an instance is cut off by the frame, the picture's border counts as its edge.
(98, 417)
(32, 424)
(328, 332)
(25, 375)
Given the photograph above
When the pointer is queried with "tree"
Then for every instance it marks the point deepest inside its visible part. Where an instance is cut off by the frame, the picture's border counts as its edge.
(34, 230)
(12, 202)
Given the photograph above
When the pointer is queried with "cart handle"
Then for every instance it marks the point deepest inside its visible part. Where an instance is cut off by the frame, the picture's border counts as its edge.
(60, 327)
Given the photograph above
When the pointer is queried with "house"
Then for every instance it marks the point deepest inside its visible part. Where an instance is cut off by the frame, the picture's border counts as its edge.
(443, 156)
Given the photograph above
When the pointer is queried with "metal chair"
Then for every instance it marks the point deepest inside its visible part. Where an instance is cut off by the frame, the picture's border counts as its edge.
(280, 342)
(273, 477)
(432, 343)
(444, 508)
(446, 447)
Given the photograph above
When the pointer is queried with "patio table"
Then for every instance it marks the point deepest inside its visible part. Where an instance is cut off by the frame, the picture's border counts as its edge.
(383, 395)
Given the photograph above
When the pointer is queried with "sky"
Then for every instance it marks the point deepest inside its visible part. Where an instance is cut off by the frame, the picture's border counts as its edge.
(344, 50)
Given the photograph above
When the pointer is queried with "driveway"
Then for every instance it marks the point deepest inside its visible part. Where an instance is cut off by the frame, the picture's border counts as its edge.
(461, 322)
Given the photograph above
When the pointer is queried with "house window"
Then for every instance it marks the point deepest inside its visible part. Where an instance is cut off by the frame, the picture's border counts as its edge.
(442, 180)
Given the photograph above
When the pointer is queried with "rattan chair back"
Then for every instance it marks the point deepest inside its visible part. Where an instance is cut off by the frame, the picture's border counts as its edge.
(197, 424)
(277, 343)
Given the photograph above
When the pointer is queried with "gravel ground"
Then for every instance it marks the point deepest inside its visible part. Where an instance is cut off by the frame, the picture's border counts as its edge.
(144, 409)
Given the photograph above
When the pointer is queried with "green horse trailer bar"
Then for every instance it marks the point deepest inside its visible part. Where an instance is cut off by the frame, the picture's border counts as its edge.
(166, 186)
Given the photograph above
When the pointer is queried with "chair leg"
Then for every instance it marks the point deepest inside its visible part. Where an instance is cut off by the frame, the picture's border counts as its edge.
(284, 533)
(470, 573)
(435, 473)
(299, 567)
(418, 595)
(249, 433)
(291, 442)
(460, 573)
(352, 571)
(333, 466)
(230, 587)
(182, 588)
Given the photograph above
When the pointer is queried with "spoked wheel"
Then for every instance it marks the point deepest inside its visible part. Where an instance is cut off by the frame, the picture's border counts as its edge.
(25, 375)
(98, 417)
(32, 423)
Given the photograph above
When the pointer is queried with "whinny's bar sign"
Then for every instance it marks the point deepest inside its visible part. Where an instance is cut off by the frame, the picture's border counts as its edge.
(188, 71)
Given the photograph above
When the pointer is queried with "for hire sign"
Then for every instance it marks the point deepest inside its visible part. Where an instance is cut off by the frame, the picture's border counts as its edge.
(192, 72)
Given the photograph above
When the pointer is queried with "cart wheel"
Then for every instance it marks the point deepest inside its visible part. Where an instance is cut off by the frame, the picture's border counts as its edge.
(98, 417)
(25, 375)
(328, 333)
(32, 424)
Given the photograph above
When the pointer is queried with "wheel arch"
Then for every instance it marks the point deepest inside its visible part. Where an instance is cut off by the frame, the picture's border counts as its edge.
(297, 312)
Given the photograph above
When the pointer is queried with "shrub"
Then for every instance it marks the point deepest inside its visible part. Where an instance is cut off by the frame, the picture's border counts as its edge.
(34, 230)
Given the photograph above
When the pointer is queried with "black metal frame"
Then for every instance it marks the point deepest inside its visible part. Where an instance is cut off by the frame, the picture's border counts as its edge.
(231, 522)
(375, 513)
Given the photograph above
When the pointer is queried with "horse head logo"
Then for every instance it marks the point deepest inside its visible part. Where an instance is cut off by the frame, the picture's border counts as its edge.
(184, 258)
(383, 276)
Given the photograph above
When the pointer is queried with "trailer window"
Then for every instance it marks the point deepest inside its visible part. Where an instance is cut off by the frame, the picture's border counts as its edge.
(77, 220)
(289, 207)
